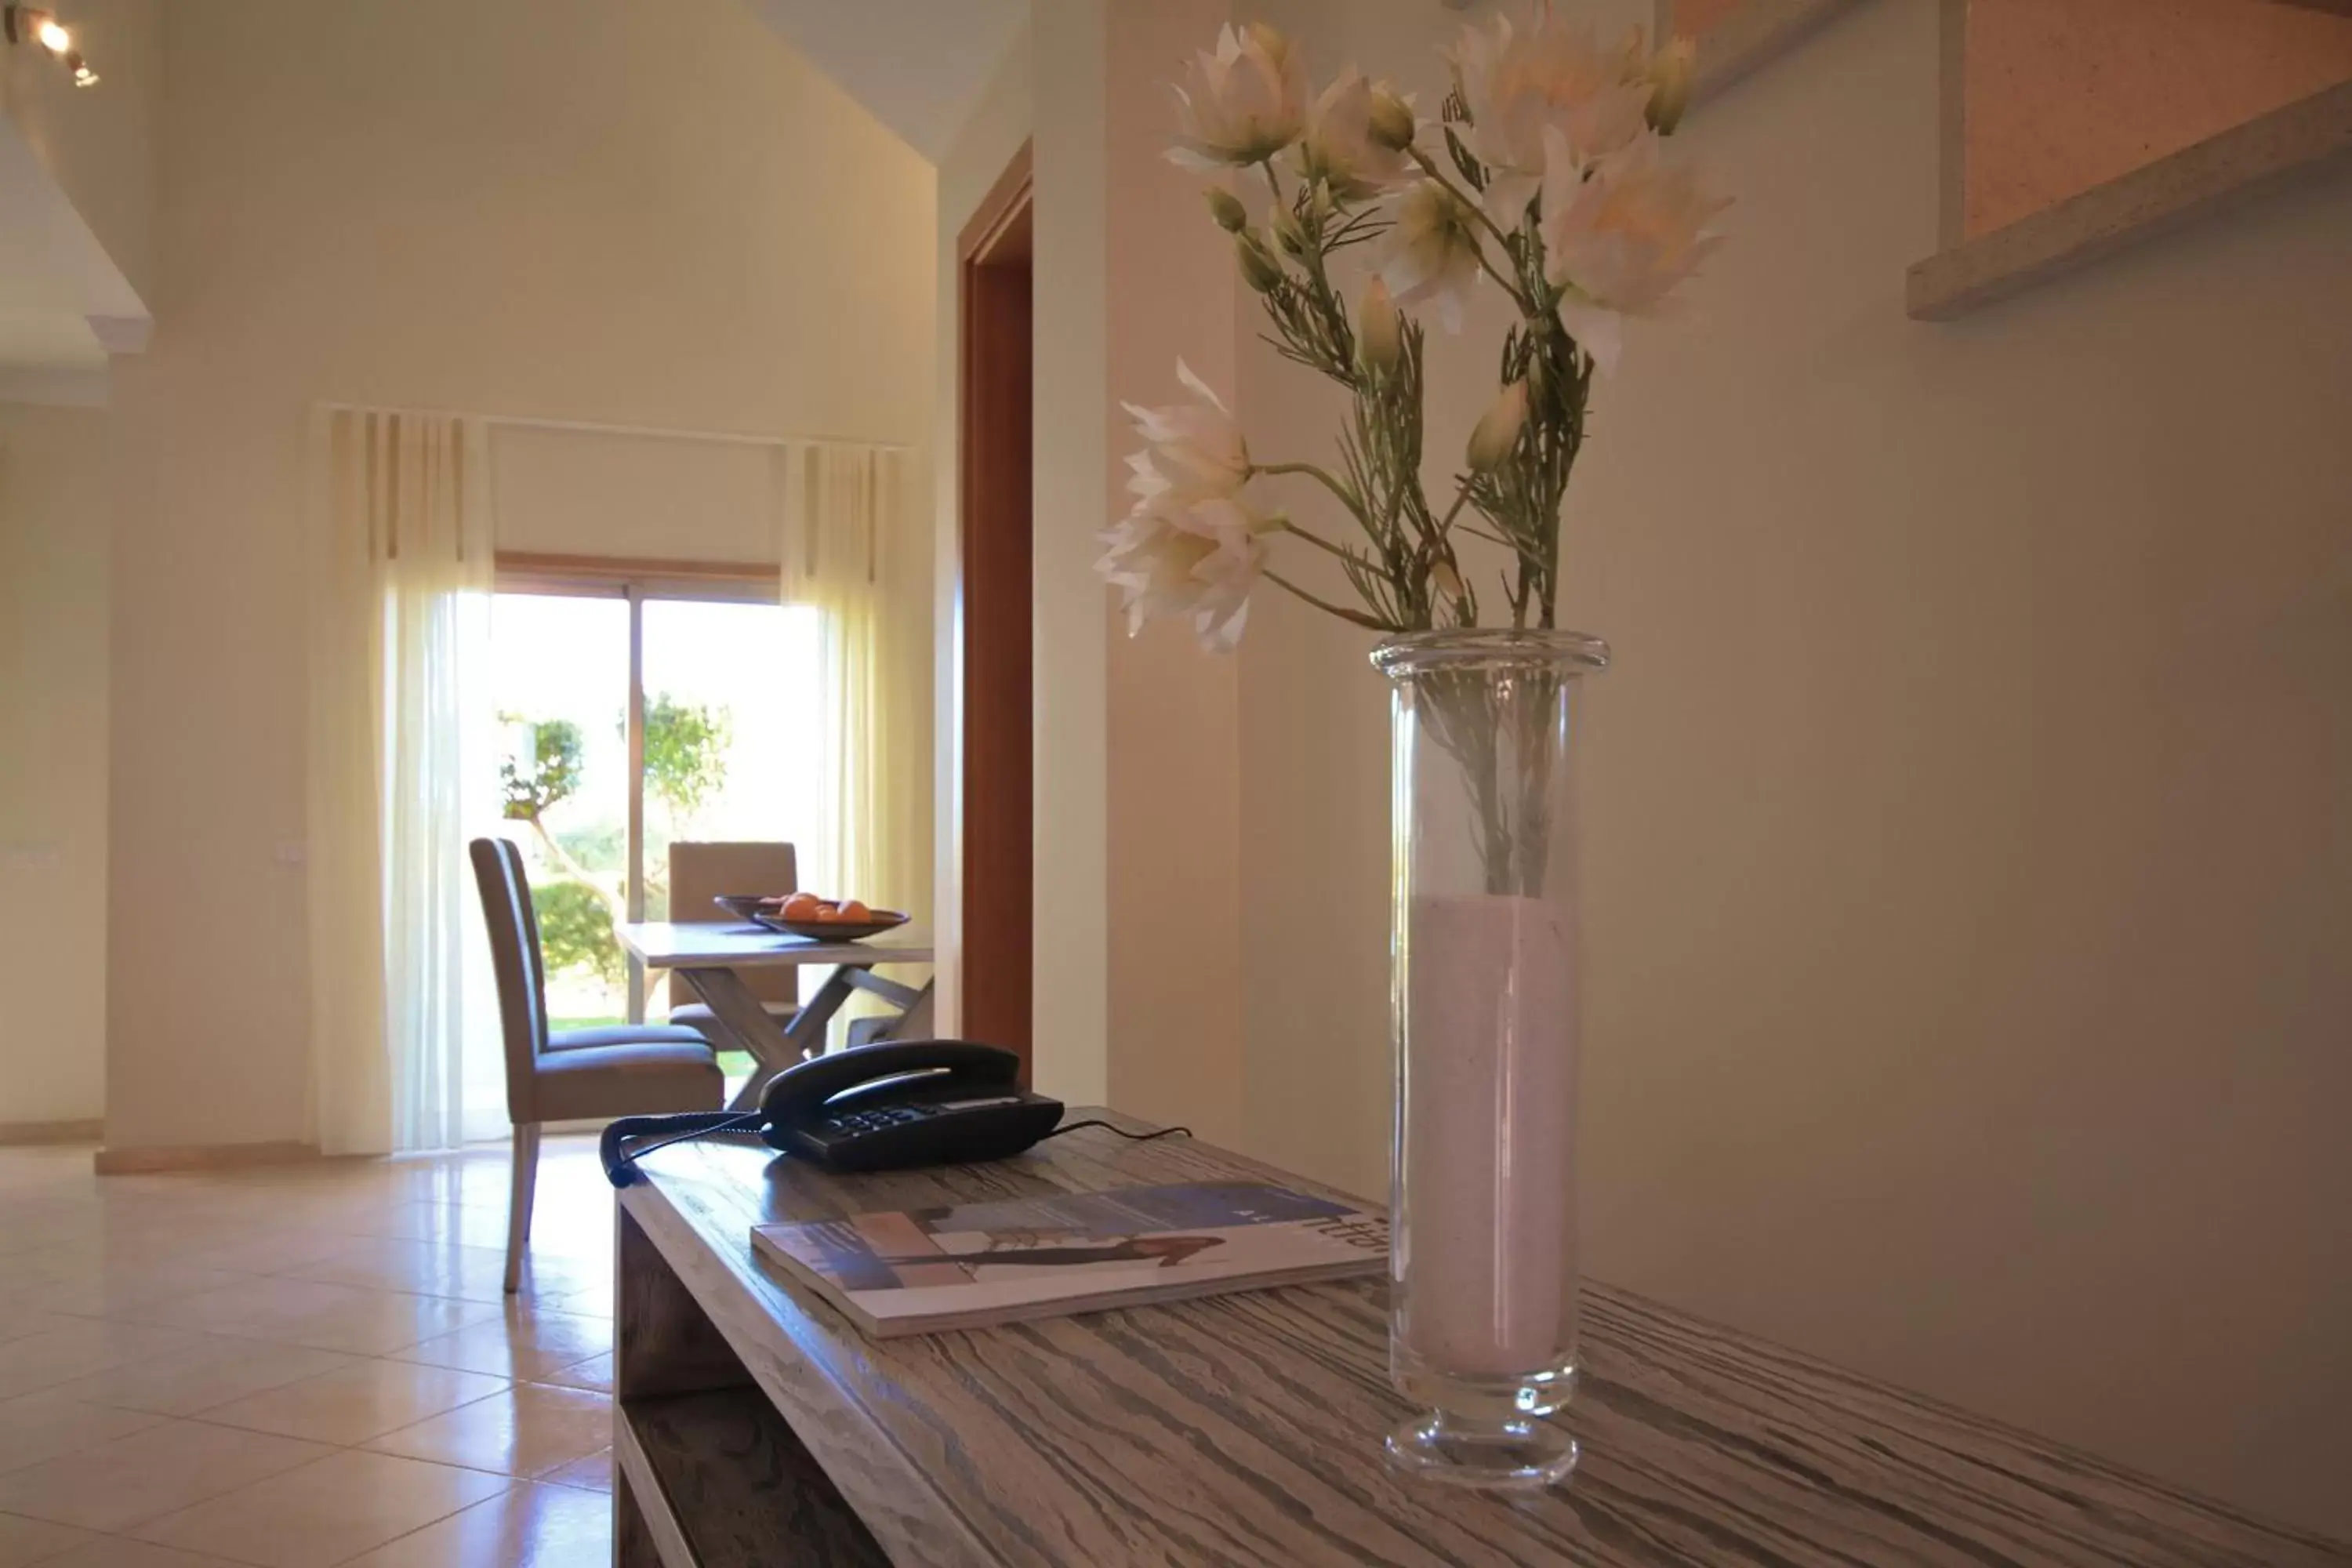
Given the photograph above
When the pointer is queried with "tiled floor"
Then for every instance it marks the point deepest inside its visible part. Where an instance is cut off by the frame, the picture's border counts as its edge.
(303, 1365)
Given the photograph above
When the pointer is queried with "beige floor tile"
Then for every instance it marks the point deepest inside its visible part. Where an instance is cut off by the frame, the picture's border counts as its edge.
(326, 1512)
(364, 1399)
(38, 1428)
(249, 1308)
(592, 1473)
(529, 1527)
(384, 1324)
(528, 1430)
(36, 1232)
(196, 1379)
(81, 1347)
(27, 1541)
(116, 1551)
(596, 1301)
(457, 1224)
(595, 1373)
(418, 1267)
(149, 1474)
(444, 1268)
(325, 1316)
(115, 1290)
(261, 1249)
(527, 1345)
(25, 1318)
(50, 1265)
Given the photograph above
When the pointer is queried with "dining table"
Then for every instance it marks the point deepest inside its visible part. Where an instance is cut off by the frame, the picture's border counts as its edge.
(709, 957)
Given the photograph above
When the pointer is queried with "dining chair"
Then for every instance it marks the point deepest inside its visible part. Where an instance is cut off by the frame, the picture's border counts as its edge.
(570, 1075)
(699, 874)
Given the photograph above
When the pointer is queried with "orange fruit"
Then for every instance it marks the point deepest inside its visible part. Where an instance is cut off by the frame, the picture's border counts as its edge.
(853, 911)
(802, 907)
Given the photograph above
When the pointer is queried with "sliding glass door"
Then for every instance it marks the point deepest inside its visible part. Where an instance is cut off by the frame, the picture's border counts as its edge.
(732, 717)
(560, 690)
(634, 710)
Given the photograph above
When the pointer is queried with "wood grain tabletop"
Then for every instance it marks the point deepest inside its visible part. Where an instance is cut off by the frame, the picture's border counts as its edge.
(1244, 1430)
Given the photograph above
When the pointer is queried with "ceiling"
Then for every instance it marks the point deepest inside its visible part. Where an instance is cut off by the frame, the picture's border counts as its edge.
(917, 66)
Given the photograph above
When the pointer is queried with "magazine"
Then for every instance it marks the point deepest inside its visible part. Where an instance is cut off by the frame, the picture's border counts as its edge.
(912, 1272)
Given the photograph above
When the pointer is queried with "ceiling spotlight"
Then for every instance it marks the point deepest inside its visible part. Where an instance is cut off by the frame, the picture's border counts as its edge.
(28, 24)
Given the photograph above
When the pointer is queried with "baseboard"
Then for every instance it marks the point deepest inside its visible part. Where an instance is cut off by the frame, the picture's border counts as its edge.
(200, 1157)
(52, 1132)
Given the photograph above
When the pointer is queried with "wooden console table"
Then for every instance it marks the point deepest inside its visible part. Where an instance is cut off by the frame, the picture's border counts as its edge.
(757, 1426)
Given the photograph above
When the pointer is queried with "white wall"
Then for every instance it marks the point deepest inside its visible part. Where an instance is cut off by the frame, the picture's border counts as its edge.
(54, 503)
(1969, 865)
(1069, 281)
(598, 211)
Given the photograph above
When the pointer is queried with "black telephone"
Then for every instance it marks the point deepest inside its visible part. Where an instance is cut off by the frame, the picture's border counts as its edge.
(881, 1107)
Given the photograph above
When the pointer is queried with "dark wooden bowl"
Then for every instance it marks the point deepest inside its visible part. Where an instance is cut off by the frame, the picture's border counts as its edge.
(835, 930)
(742, 906)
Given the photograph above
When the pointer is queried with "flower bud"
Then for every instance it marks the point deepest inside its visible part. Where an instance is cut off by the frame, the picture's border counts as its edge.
(1392, 124)
(1670, 85)
(1259, 268)
(1227, 209)
(1266, 36)
(1289, 235)
(1498, 429)
(1379, 331)
(1446, 579)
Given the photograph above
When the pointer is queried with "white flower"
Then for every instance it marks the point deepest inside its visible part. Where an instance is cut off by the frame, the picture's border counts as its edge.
(1246, 102)
(1198, 561)
(1620, 241)
(1195, 542)
(1196, 448)
(1524, 86)
(1498, 429)
(1431, 252)
(1350, 144)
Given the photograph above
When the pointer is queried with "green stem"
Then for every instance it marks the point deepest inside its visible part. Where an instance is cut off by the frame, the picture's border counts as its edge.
(1322, 476)
(1314, 539)
(1461, 495)
(1354, 617)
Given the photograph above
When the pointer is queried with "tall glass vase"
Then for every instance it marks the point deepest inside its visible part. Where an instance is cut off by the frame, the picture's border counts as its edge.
(1482, 1259)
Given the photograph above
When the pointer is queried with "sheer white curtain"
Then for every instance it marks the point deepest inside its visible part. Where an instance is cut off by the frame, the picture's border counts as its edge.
(837, 504)
(402, 577)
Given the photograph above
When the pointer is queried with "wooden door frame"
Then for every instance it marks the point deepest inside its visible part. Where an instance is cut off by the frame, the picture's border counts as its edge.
(995, 811)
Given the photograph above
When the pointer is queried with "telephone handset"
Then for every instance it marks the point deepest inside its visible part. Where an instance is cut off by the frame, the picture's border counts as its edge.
(877, 1107)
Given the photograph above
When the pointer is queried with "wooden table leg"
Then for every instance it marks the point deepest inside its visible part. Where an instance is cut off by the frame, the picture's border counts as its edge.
(806, 1039)
(746, 1025)
(914, 1023)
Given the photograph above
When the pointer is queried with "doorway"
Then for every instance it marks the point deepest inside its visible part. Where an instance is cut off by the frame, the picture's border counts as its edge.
(992, 610)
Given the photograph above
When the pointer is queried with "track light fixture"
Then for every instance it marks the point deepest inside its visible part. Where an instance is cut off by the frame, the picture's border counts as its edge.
(30, 24)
